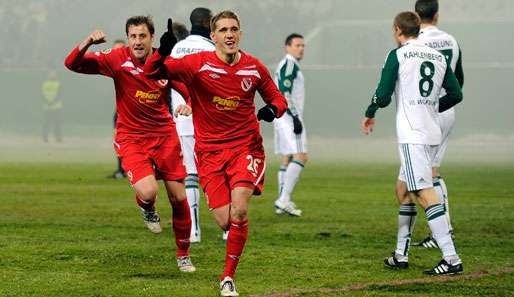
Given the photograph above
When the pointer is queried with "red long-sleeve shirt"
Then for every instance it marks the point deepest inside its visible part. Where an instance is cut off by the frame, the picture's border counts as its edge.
(222, 96)
(141, 103)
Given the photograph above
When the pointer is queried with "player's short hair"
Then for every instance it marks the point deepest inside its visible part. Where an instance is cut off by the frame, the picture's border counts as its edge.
(226, 14)
(427, 9)
(122, 41)
(292, 36)
(408, 22)
(140, 20)
(180, 30)
(200, 15)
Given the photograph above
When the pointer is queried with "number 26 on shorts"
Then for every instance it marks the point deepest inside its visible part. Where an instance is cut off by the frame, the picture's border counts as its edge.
(253, 166)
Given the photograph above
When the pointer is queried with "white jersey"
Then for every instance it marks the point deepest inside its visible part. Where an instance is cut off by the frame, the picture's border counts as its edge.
(445, 43)
(192, 44)
(421, 71)
(290, 81)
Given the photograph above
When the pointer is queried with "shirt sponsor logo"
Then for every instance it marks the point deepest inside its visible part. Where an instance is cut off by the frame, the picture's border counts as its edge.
(214, 76)
(246, 84)
(230, 103)
(147, 97)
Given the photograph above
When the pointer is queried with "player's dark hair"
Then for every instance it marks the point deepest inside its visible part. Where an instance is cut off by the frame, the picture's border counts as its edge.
(408, 22)
(226, 14)
(140, 20)
(200, 16)
(180, 30)
(292, 36)
(427, 9)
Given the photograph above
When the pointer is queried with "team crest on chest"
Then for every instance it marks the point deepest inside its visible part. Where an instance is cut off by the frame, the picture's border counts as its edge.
(162, 82)
(246, 84)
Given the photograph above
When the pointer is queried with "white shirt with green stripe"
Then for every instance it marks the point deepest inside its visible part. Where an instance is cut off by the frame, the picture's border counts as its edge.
(290, 81)
(437, 39)
(416, 73)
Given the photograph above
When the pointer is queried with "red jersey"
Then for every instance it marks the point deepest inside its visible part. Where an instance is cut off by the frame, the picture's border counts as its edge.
(141, 103)
(222, 96)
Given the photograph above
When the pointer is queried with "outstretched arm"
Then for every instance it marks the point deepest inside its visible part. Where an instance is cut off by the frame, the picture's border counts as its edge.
(81, 61)
(154, 66)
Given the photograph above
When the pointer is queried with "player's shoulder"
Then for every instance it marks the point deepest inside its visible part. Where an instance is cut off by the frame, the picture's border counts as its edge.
(288, 65)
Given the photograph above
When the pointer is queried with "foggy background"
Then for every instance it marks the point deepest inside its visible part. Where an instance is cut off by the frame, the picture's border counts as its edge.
(346, 44)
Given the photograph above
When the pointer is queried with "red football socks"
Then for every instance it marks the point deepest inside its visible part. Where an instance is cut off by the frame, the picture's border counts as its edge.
(146, 205)
(235, 245)
(181, 226)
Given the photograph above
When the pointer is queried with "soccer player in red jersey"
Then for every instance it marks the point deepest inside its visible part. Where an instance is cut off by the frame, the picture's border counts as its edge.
(146, 140)
(229, 150)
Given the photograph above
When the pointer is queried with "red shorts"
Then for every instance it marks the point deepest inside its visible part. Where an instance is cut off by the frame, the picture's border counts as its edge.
(223, 170)
(143, 156)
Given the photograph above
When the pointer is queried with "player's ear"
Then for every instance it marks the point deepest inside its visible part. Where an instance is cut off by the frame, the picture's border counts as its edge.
(213, 37)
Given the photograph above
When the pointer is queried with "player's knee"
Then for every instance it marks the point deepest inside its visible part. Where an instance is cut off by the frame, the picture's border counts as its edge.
(239, 214)
(148, 193)
(302, 158)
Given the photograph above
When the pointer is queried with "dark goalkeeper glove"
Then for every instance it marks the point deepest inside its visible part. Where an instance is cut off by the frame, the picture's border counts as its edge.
(297, 125)
(267, 113)
(168, 40)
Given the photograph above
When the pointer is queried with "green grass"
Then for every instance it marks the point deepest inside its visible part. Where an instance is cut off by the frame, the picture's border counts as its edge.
(66, 230)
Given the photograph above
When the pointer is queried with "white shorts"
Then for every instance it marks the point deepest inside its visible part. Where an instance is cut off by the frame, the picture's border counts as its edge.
(286, 142)
(416, 165)
(446, 121)
(188, 145)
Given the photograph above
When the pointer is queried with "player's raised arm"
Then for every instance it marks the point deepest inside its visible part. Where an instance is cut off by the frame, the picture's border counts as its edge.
(276, 103)
(453, 91)
(161, 66)
(81, 61)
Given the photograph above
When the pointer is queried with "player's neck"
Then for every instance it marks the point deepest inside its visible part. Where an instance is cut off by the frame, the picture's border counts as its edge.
(230, 59)
(425, 25)
(143, 59)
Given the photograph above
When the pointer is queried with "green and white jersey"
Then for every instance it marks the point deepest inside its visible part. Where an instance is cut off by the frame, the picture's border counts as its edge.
(445, 43)
(290, 81)
(416, 73)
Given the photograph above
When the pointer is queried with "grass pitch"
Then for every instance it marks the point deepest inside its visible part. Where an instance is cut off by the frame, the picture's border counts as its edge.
(66, 230)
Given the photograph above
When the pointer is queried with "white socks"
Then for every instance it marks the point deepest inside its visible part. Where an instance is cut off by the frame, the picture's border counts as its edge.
(193, 198)
(442, 194)
(281, 173)
(291, 176)
(406, 221)
(440, 230)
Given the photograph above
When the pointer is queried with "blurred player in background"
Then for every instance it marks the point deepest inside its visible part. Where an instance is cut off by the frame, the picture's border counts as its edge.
(146, 140)
(199, 40)
(119, 172)
(447, 45)
(180, 31)
(290, 135)
(51, 91)
(229, 151)
(416, 73)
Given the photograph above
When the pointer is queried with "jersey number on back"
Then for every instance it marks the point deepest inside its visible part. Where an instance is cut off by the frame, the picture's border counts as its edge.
(426, 84)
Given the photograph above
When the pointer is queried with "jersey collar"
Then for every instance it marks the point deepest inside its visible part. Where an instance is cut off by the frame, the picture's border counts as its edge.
(289, 56)
(194, 37)
(428, 28)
